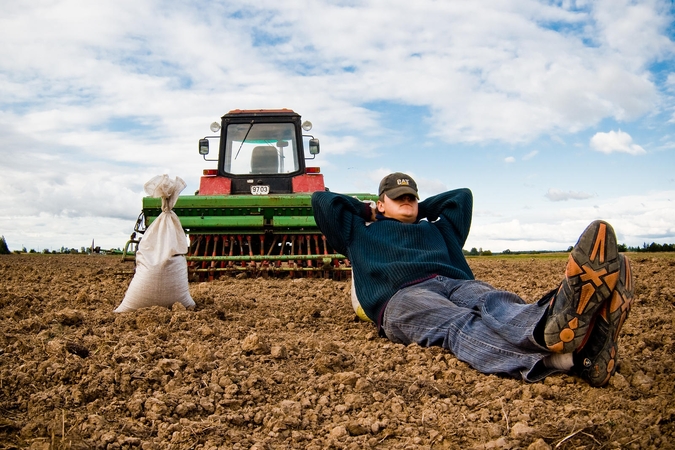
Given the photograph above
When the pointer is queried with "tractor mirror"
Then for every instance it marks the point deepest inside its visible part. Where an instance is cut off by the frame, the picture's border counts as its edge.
(204, 147)
(314, 147)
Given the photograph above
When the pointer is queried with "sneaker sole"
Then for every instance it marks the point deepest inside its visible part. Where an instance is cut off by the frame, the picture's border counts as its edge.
(591, 275)
(614, 312)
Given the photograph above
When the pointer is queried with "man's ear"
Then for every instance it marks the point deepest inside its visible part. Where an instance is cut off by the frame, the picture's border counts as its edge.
(380, 206)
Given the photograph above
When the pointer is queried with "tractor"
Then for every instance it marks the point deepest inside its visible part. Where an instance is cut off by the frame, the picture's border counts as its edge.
(253, 212)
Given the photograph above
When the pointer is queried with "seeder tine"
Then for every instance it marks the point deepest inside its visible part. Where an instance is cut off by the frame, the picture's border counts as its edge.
(230, 264)
(262, 244)
(292, 264)
(241, 248)
(310, 274)
(252, 264)
(206, 249)
(226, 243)
(277, 263)
(195, 242)
(214, 253)
(264, 265)
(316, 244)
(274, 243)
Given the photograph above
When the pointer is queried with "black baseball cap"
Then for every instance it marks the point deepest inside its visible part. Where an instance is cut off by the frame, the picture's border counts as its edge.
(397, 184)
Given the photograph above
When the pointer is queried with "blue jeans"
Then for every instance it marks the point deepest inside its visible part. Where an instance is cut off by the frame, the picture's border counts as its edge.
(489, 329)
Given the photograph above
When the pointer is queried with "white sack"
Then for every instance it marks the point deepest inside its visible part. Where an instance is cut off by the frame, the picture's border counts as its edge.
(161, 269)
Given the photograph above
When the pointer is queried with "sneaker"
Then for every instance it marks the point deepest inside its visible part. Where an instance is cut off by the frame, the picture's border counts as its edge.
(596, 362)
(590, 278)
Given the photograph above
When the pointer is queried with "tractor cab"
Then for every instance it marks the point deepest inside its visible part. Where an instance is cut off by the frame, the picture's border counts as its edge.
(261, 152)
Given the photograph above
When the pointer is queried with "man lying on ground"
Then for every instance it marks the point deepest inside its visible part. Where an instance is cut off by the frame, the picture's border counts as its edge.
(415, 284)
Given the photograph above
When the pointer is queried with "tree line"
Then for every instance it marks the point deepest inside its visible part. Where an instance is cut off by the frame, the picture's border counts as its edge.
(651, 248)
(4, 250)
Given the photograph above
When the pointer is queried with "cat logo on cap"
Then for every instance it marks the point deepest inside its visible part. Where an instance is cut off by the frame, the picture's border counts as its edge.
(403, 182)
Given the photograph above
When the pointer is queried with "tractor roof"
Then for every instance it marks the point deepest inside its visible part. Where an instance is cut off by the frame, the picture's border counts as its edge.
(261, 112)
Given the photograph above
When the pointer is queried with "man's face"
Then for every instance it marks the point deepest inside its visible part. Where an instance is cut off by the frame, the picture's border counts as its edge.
(403, 208)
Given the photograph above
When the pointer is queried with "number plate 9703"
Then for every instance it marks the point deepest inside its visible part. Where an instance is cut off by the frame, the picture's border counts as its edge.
(260, 190)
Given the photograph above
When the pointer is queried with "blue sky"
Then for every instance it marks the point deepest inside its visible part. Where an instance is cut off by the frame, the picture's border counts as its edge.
(554, 113)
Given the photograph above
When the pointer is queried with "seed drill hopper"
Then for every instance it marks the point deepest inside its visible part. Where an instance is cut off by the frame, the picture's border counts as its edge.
(253, 212)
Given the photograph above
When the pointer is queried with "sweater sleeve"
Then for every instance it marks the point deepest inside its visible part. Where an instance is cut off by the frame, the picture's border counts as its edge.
(336, 214)
(454, 207)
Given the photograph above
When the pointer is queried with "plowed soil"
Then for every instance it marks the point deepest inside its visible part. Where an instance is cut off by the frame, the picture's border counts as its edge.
(282, 363)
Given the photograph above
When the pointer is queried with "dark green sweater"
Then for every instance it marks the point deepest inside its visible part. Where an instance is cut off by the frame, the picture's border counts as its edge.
(388, 255)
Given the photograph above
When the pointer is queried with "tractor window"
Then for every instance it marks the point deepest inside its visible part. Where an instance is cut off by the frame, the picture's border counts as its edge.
(261, 148)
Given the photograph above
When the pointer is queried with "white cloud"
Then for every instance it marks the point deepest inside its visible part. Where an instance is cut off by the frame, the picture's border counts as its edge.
(509, 159)
(615, 141)
(429, 187)
(635, 29)
(635, 218)
(507, 76)
(530, 155)
(556, 195)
